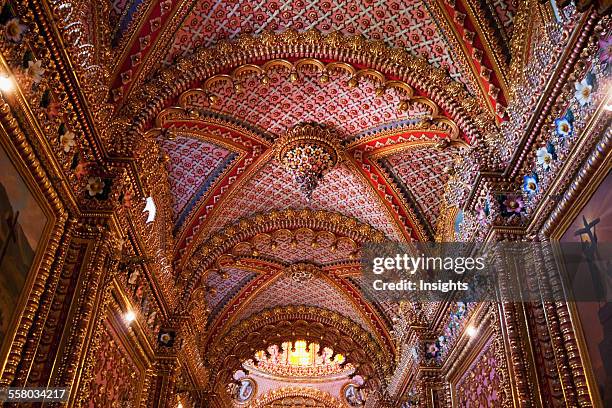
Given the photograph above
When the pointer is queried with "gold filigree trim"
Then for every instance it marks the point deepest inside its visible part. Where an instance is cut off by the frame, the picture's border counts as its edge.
(297, 397)
(208, 252)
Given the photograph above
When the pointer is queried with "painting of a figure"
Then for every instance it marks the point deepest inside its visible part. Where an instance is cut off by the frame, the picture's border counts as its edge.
(22, 222)
(593, 226)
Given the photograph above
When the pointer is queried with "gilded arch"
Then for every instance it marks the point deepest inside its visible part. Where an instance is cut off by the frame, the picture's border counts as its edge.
(296, 397)
(208, 254)
(330, 329)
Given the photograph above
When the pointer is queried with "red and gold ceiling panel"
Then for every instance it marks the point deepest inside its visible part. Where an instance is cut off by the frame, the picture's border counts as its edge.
(225, 286)
(279, 103)
(193, 167)
(122, 13)
(421, 171)
(317, 292)
(404, 24)
(342, 190)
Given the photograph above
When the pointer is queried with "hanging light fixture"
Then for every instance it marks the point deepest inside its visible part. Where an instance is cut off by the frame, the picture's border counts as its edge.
(308, 151)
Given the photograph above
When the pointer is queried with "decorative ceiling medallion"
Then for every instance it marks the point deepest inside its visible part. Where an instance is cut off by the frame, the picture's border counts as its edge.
(302, 272)
(308, 151)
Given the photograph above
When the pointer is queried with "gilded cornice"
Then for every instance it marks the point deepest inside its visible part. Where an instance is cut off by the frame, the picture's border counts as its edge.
(139, 18)
(154, 51)
(566, 64)
(490, 42)
(524, 23)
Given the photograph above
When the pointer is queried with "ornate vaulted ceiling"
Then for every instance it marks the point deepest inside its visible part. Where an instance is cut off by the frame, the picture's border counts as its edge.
(367, 71)
(213, 171)
(148, 36)
(343, 191)
(407, 88)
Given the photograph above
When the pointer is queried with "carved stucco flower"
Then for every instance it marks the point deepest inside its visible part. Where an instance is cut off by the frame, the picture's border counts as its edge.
(584, 92)
(35, 71)
(14, 30)
(95, 186)
(67, 141)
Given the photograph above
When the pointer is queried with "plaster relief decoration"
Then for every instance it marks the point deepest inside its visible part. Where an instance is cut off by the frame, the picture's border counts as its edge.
(482, 383)
(116, 376)
(22, 225)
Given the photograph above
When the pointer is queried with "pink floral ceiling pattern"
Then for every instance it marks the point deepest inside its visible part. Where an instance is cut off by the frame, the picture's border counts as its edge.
(194, 165)
(314, 292)
(422, 172)
(407, 24)
(342, 190)
(280, 104)
(225, 289)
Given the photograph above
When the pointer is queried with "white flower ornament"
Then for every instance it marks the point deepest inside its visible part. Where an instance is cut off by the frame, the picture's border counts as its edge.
(584, 92)
(67, 141)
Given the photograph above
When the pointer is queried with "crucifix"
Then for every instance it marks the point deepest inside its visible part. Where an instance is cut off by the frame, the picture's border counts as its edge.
(588, 237)
(11, 223)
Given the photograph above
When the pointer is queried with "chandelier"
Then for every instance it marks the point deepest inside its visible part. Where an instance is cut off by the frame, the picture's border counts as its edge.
(308, 151)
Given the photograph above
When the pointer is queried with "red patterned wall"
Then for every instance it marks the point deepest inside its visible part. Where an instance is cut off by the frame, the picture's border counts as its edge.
(482, 384)
(116, 377)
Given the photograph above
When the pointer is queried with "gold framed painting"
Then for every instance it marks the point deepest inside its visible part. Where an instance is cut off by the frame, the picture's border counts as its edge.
(26, 222)
(592, 320)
